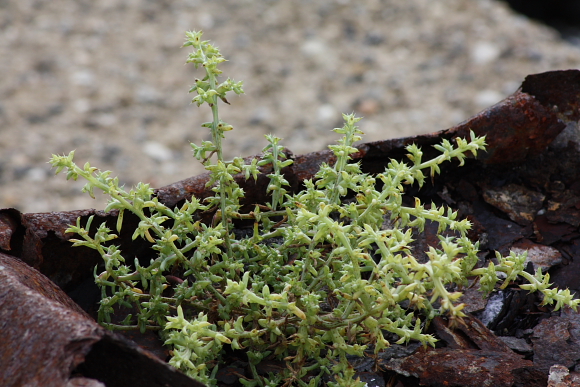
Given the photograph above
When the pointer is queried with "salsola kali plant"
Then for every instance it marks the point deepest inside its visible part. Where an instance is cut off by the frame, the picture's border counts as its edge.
(324, 273)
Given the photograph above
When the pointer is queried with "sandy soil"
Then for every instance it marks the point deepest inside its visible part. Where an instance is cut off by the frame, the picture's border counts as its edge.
(108, 79)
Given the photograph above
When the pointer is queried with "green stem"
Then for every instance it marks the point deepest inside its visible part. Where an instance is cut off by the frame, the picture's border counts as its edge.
(115, 327)
(120, 196)
(276, 167)
(307, 263)
(346, 244)
(216, 137)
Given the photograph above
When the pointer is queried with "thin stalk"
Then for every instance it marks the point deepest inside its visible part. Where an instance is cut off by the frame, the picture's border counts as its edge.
(217, 140)
(115, 327)
(276, 167)
(307, 263)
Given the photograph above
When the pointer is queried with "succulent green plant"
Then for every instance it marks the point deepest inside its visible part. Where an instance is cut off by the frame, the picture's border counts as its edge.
(323, 273)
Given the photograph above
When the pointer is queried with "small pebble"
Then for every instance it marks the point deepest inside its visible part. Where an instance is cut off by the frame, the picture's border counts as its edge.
(157, 151)
(484, 52)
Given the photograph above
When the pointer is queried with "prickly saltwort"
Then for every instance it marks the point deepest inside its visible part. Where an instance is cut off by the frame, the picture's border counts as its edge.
(317, 294)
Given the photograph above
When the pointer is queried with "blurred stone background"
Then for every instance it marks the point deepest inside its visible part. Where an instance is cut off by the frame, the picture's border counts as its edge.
(108, 79)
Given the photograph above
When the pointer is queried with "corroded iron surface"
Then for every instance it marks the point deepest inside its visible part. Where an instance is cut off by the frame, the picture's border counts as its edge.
(473, 357)
(466, 368)
(48, 340)
(44, 334)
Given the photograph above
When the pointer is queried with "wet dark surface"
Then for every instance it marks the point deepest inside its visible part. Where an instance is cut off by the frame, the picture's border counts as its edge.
(523, 193)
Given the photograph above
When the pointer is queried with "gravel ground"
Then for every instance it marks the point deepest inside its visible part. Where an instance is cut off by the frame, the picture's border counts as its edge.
(107, 78)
